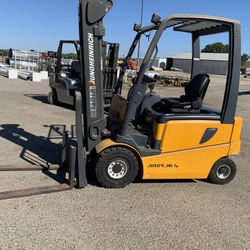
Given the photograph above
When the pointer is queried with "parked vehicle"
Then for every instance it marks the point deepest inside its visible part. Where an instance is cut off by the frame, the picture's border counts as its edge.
(66, 75)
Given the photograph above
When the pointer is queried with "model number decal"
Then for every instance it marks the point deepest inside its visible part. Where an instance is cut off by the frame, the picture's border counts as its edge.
(168, 165)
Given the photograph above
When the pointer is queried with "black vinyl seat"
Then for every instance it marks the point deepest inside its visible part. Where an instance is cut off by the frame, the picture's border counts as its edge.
(188, 105)
(75, 69)
(192, 100)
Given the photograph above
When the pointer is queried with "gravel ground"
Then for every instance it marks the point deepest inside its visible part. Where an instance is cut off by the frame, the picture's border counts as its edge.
(145, 215)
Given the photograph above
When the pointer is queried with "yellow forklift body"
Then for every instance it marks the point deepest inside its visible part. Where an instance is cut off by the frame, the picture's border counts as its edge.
(235, 139)
(185, 135)
(182, 155)
(186, 164)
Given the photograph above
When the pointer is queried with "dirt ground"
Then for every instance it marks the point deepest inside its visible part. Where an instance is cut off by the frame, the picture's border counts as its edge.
(145, 215)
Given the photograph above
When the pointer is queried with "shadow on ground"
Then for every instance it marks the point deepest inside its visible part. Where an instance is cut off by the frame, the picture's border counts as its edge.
(36, 150)
(40, 98)
(140, 181)
(44, 99)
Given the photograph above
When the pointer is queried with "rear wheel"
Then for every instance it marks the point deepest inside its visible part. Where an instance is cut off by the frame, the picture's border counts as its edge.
(223, 171)
(116, 167)
(52, 97)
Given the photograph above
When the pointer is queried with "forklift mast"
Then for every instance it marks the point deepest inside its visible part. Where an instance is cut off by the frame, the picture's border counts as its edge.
(110, 71)
(91, 14)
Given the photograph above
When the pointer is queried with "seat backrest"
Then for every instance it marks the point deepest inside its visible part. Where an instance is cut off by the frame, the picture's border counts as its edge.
(76, 67)
(197, 87)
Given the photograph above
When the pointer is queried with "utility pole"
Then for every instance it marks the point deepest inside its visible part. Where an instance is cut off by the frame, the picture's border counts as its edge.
(139, 44)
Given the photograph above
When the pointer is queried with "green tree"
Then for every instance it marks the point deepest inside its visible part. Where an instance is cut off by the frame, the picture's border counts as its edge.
(4, 52)
(216, 48)
(70, 56)
(244, 58)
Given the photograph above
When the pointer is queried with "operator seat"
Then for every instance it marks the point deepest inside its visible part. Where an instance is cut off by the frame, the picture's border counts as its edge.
(75, 69)
(192, 100)
(72, 78)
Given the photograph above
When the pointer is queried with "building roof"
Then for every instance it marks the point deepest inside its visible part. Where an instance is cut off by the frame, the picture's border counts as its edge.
(204, 56)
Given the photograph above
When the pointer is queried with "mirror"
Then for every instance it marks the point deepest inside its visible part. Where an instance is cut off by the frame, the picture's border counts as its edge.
(156, 19)
(137, 27)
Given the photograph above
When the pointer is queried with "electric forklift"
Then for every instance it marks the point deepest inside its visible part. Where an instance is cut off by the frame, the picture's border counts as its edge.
(65, 77)
(145, 135)
(149, 136)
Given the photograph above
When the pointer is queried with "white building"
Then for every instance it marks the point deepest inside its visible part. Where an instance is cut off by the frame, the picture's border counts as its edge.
(213, 63)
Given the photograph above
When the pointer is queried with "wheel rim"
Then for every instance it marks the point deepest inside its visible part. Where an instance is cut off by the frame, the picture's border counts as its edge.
(117, 169)
(223, 172)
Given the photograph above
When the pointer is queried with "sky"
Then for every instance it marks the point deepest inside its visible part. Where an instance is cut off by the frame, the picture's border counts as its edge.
(39, 25)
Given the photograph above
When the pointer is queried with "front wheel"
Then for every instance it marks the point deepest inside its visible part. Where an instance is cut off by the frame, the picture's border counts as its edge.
(223, 171)
(116, 167)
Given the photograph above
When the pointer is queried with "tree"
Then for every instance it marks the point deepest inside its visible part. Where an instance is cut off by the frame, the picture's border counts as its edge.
(70, 56)
(216, 48)
(4, 52)
(244, 58)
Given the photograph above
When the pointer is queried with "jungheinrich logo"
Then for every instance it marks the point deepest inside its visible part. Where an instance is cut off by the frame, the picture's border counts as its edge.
(92, 78)
(91, 59)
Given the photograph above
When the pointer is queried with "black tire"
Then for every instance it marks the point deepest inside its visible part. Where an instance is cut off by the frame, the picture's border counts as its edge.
(52, 98)
(116, 167)
(223, 171)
